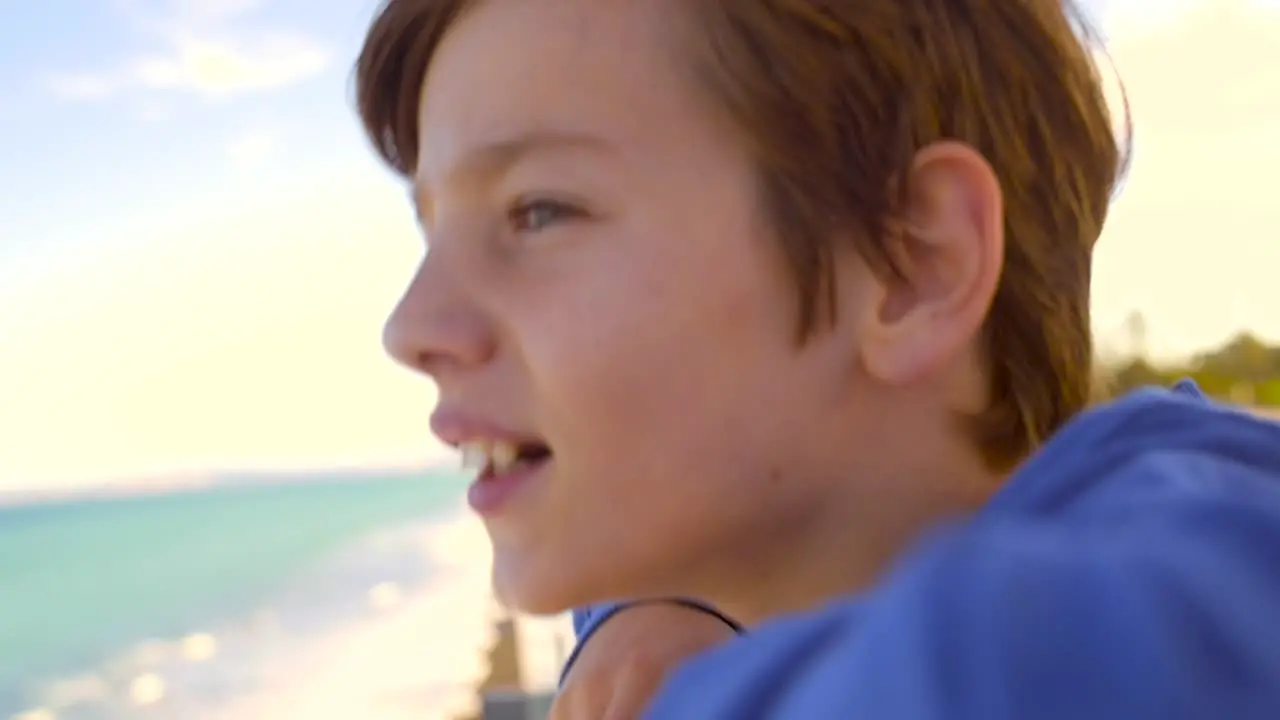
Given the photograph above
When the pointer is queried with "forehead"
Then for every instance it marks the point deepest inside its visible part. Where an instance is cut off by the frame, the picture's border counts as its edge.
(509, 68)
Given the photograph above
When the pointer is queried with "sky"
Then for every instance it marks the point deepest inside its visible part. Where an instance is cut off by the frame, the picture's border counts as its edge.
(197, 248)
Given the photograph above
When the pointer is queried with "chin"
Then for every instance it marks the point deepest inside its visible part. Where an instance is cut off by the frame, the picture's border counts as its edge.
(553, 585)
(523, 586)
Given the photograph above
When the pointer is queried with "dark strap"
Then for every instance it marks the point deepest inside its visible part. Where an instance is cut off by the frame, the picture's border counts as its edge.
(615, 609)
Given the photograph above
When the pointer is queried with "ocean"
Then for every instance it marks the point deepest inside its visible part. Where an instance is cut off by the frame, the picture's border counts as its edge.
(175, 605)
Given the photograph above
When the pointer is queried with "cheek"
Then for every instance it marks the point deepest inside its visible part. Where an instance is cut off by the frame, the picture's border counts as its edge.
(653, 368)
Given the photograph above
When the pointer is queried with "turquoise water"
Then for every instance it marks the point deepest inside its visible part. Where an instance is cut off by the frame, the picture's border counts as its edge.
(81, 582)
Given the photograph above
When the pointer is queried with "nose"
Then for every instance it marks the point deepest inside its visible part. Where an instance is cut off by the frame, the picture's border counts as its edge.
(437, 328)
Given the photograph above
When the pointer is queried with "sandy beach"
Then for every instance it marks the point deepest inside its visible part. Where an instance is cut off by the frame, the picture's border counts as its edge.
(417, 656)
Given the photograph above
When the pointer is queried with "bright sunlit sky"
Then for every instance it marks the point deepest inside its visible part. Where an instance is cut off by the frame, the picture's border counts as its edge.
(197, 249)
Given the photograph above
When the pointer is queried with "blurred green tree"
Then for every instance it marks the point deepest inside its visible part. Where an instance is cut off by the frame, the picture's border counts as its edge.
(1245, 370)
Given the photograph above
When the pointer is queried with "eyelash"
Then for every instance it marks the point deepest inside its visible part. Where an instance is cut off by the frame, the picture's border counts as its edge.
(519, 214)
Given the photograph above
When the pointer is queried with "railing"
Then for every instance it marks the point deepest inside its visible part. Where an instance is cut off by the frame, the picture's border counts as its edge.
(516, 705)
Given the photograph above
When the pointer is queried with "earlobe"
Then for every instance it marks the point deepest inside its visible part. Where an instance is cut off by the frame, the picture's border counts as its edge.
(948, 251)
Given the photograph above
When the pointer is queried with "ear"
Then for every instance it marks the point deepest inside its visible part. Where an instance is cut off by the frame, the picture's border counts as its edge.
(948, 249)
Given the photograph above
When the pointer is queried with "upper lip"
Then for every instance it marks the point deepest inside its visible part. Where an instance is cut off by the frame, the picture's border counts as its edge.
(455, 426)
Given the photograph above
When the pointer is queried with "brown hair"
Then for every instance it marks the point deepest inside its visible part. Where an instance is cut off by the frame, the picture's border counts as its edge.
(834, 98)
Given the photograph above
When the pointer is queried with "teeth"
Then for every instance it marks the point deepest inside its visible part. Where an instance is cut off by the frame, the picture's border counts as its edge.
(479, 455)
(502, 456)
(475, 455)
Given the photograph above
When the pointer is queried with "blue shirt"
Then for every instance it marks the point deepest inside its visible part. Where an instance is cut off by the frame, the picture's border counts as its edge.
(1129, 570)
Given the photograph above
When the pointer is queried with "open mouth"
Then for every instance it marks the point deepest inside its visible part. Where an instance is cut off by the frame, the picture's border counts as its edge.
(496, 458)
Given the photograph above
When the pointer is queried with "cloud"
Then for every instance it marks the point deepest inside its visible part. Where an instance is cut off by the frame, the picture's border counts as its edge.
(218, 69)
(153, 111)
(215, 9)
(84, 86)
(202, 48)
(251, 149)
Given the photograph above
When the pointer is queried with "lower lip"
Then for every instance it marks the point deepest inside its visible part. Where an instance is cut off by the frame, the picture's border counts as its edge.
(488, 495)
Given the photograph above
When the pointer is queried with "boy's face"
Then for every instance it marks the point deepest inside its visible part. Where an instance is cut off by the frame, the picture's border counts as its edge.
(600, 279)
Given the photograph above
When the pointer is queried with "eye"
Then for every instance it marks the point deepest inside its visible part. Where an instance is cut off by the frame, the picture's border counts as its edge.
(531, 216)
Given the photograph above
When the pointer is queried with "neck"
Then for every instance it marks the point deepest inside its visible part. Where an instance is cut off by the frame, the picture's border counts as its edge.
(845, 541)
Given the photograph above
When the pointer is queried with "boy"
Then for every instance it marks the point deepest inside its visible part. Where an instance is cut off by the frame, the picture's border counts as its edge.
(769, 303)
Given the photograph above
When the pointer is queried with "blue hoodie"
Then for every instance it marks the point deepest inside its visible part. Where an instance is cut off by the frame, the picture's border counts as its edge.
(1129, 570)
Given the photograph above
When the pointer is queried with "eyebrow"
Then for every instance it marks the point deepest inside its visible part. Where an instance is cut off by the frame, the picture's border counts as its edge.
(493, 160)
